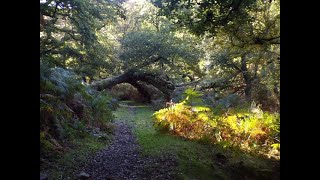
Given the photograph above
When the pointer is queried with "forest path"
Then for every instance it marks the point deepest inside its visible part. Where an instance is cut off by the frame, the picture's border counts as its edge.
(122, 159)
(140, 151)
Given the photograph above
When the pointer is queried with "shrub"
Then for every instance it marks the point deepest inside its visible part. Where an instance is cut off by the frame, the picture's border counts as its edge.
(100, 110)
(249, 129)
(68, 108)
(188, 121)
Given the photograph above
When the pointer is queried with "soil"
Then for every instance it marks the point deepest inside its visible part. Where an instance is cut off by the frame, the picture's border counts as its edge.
(122, 160)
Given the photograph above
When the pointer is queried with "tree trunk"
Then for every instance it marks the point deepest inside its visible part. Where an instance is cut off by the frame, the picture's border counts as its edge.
(142, 89)
(246, 77)
(132, 76)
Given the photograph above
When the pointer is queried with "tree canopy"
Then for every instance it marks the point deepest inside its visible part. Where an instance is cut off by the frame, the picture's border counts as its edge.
(214, 63)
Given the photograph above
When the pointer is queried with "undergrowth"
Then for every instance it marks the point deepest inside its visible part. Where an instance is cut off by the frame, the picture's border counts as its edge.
(69, 114)
(197, 159)
(64, 166)
(249, 129)
(194, 160)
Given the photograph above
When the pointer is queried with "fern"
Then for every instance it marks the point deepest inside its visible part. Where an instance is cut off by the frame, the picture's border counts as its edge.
(68, 108)
(240, 128)
(192, 97)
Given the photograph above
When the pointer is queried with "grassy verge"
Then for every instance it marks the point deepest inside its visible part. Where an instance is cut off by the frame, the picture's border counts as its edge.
(196, 159)
(65, 166)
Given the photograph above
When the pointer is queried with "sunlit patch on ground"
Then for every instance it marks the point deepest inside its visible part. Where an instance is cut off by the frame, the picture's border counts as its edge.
(254, 132)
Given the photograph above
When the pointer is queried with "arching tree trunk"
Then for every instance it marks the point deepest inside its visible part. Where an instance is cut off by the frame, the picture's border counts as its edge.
(132, 76)
(142, 89)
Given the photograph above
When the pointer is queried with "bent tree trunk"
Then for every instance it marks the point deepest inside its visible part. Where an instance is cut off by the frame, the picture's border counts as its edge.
(142, 89)
(132, 77)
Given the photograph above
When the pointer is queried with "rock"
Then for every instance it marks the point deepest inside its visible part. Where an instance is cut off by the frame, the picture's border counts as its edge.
(83, 176)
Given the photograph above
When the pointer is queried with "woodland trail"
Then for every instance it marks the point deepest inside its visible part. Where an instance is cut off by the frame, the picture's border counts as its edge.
(122, 158)
(139, 151)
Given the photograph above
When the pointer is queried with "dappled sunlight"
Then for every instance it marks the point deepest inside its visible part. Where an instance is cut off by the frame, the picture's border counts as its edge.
(186, 121)
(250, 131)
(198, 81)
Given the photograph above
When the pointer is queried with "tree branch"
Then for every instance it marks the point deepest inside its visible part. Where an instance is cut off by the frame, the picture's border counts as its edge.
(134, 75)
(263, 40)
(221, 83)
(152, 60)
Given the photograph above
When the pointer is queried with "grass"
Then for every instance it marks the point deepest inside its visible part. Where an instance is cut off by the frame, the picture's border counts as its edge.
(133, 103)
(195, 158)
(64, 166)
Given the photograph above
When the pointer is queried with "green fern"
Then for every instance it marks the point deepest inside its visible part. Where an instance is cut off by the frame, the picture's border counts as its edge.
(192, 97)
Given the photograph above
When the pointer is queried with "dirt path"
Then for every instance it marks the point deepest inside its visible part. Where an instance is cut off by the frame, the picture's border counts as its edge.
(123, 160)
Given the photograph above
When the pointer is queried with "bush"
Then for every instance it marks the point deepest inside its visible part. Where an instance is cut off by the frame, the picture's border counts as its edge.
(188, 121)
(45, 145)
(249, 129)
(100, 110)
(68, 108)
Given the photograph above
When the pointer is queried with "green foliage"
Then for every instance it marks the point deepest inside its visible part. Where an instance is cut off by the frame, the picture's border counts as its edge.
(192, 96)
(68, 108)
(241, 43)
(67, 164)
(68, 35)
(237, 56)
(101, 112)
(45, 145)
(69, 39)
(276, 146)
(184, 120)
(245, 55)
(194, 159)
(158, 50)
(142, 15)
(249, 129)
(203, 16)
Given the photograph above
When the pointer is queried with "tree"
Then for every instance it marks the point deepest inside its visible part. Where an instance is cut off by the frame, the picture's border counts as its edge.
(68, 35)
(134, 77)
(249, 48)
(203, 16)
(158, 51)
(241, 41)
